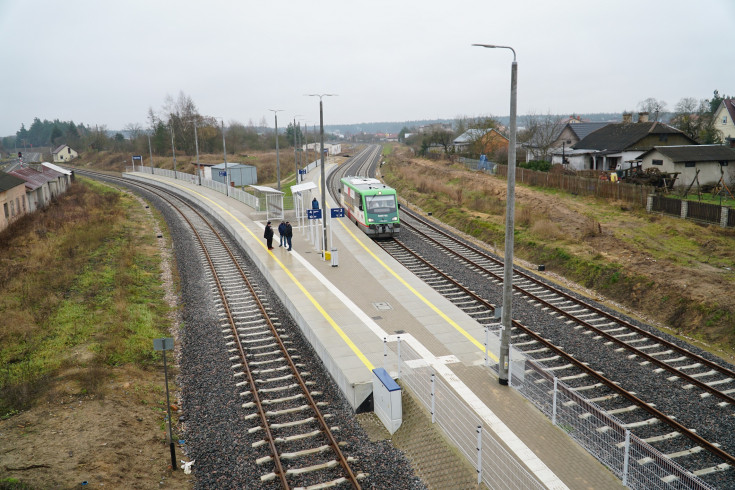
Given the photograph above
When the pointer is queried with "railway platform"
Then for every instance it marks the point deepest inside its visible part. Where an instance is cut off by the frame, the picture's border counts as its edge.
(354, 311)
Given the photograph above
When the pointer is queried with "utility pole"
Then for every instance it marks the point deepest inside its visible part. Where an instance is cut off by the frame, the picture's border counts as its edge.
(278, 161)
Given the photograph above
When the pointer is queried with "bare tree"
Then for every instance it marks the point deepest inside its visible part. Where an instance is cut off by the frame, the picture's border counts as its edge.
(540, 134)
(653, 107)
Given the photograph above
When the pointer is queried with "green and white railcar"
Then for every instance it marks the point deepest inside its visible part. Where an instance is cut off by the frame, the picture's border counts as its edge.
(371, 205)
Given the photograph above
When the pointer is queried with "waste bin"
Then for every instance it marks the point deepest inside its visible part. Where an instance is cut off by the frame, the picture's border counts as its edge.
(335, 259)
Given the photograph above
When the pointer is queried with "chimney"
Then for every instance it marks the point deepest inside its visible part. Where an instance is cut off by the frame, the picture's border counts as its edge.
(642, 117)
(627, 117)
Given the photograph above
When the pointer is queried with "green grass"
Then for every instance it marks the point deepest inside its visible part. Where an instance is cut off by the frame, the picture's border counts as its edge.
(89, 293)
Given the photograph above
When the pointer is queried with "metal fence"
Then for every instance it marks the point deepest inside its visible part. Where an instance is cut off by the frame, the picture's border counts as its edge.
(632, 193)
(482, 165)
(634, 461)
(493, 463)
(233, 192)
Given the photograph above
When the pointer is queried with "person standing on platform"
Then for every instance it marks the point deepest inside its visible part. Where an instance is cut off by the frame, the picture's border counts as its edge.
(314, 204)
(268, 235)
(289, 235)
(282, 233)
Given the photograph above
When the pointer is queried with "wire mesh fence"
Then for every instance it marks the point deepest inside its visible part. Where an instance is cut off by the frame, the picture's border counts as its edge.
(235, 193)
(635, 462)
(495, 466)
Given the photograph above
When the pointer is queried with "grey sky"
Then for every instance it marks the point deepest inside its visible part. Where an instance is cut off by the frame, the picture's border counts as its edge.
(104, 62)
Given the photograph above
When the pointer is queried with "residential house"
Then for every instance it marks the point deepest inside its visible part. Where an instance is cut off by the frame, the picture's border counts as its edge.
(724, 120)
(618, 145)
(64, 154)
(571, 134)
(12, 198)
(712, 161)
(480, 141)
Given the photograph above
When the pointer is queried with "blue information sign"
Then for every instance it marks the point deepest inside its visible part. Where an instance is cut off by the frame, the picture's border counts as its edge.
(338, 212)
(314, 213)
(302, 171)
(137, 157)
(222, 173)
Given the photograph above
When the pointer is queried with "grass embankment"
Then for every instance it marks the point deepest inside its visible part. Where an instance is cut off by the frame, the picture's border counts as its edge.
(656, 265)
(80, 290)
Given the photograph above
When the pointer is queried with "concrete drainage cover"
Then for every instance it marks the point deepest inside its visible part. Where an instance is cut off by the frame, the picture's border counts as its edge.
(382, 305)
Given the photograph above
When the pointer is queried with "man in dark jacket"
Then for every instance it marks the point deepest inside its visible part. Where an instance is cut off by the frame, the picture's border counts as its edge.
(289, 234)
(282, 233)
(268, 235)
(314, 204)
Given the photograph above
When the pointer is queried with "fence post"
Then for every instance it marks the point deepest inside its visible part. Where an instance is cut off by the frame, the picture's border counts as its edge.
(487, 340)
(399, 357)
(553, 407)
(479, 454)
(433, 398)
(627, 457)
(385, 353)
(684, 208)
(649, 203)
(724, 216)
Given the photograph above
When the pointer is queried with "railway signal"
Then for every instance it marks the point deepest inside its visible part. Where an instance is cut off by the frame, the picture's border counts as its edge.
(164, 345)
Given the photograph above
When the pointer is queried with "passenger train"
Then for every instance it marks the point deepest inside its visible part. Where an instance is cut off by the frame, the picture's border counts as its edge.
(371, 205)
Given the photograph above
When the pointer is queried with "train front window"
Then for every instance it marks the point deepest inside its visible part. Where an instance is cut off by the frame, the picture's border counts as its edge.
(381, 204)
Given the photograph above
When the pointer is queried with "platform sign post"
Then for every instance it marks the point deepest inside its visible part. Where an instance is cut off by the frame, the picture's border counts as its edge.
(164, 345)
(314, 215)
(335, 213)
(138, 158)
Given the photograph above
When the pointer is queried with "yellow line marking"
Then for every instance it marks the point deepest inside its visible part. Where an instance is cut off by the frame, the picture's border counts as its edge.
(419, 295)
(316, 304)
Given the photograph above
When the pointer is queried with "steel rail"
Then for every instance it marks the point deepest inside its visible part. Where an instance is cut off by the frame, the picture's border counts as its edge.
(609, 383)
(694, 381)
(333, 443)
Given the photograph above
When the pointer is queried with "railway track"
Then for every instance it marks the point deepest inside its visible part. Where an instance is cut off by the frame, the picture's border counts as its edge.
(675, 433)
(297, 447)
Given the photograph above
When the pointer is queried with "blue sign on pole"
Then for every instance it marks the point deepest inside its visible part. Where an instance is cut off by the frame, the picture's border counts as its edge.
(302, 171)
(222, 173)
(137, 158)
(338, 212)
(314, 213)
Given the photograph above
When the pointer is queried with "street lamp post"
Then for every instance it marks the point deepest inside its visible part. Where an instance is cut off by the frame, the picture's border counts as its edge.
(323, 177)
(150, 150)
(506, 314)
(278, 161)
(173, 148)
(295, 153)
(224, 153)
(196, 144)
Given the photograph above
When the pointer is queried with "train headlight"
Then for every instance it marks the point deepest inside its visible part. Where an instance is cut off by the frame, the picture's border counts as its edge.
(371, 220)
(395, 218)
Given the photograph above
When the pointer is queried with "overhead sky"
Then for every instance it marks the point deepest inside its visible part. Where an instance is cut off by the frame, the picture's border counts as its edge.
(104, 62)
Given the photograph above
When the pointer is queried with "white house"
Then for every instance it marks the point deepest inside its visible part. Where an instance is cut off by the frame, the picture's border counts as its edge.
(724, 119)
(712, 161)
(64, 154)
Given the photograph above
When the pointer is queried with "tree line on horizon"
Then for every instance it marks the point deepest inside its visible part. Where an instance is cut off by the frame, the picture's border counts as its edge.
(173, 127)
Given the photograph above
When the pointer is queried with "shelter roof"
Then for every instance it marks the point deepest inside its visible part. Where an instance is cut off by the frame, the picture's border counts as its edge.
(265, 189)
(305, 186)
(56, 168)
(231, 165)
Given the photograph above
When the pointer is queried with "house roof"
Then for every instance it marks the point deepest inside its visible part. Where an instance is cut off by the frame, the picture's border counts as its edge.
(8, 181)
(583, 129)
(473, 135)
(57, 150)
(623, 136)
(35, 179)
(729, 106)
(695, 153)
(231, 165)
